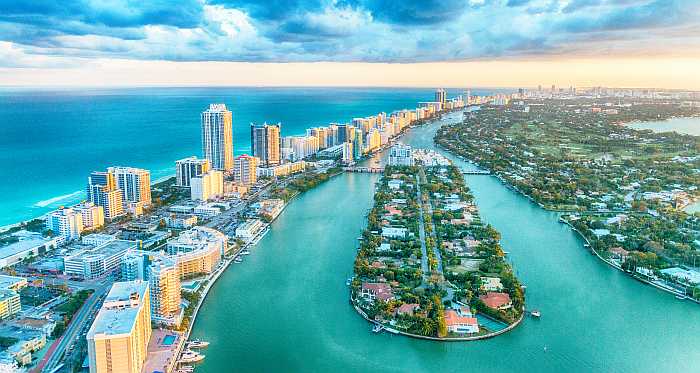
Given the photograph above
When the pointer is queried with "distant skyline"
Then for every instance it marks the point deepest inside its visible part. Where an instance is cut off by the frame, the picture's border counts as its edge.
(496, 43)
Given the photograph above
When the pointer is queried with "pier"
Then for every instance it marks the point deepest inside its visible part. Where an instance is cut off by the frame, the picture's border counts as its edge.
(476, 172)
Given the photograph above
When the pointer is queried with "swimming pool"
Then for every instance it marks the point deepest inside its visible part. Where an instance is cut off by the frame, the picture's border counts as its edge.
(168, 340)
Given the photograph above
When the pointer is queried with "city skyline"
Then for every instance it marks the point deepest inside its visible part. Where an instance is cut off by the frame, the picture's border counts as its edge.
(500, 43)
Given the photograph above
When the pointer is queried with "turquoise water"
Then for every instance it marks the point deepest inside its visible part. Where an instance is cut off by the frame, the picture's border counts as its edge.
(689, 126)
(169, 340)
(286, 308)
(51, 140)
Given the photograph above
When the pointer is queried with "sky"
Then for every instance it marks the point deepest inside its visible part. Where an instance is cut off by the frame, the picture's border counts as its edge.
(506, 43)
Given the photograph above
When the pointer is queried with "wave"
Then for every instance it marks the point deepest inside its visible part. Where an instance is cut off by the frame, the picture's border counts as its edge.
(53, 200)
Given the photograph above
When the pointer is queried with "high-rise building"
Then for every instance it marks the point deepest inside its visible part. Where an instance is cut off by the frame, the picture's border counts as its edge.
(245, 170)
(266, 144)
(135, 184)
(207, 186)
(217, 137)
(348, 155)
(187, 168)
(118, 338)
(343, 134)
(441, 95)
(65, 222)
(165, 287)
(401, 155)
(102, 190)
(358, 144)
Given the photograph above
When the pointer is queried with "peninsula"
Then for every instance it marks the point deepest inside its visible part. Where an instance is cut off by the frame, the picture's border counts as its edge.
(427, 266)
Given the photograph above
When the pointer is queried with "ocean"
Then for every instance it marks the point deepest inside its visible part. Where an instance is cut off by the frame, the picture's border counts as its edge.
(50, 140)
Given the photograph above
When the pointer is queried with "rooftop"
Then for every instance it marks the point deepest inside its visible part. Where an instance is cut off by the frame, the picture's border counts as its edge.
(120, 308)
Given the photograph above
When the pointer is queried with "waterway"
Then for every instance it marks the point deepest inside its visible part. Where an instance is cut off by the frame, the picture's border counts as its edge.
(286, 307)
(688, 126)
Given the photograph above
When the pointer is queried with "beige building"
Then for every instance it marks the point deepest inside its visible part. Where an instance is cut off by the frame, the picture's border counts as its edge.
(118, 338)
(207, 186)
(266, 142)
(9, 303)
(165, 287)
(93, 215)
(245, 170)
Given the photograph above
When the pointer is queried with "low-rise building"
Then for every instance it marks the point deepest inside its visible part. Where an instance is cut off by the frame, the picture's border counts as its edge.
(29, 244)
(94, 263)
(9, 303)
(249, 229)
(379, 290)
(460, 323)
(496, 301)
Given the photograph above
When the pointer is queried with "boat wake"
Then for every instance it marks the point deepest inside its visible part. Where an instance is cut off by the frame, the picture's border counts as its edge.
(53, 200)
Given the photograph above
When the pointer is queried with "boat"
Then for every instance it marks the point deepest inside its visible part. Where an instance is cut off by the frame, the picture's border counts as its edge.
(190, 356)
(186, 369)
(197, 343)
(245, 252)
(681, 296)
(535, 313)
(348, 282)
(238, 260)
(377, 328)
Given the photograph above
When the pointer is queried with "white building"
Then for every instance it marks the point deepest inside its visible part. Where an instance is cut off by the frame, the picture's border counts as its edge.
(198, 238)
(97, 262)
(207, 186)
(29, 244)
(217, 137)
(65, 222)
(248, 230)
(401, 155)
(187, 168)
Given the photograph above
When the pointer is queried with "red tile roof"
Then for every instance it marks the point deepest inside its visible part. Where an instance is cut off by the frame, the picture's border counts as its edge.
(453, 319)
(495, 300)
(380, 290)
(407, 309)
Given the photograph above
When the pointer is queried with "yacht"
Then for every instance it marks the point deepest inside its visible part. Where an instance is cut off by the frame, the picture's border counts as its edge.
(190, 356)
(238, 260)
(245, 252)
(535, 313)
(197, 343)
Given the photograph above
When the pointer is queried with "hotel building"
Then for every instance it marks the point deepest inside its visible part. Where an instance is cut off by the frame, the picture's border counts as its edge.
(102, 190)
(118, 338)
(66, 223)
(245, 170)
(441, 95)
(164, 286)
(207, 186)
(217, 137)
(265, 141)
(93, 215)
(187, 168)
(135, 184)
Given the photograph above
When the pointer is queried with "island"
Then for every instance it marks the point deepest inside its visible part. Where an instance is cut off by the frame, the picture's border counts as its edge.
(622, 189)
(427, 266)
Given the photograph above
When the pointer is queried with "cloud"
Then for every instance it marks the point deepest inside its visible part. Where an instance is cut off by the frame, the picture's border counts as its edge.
(340, 30)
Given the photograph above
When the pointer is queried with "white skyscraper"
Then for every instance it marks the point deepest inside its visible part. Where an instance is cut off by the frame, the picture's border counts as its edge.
(217, 137)
(135, 184)
(66, 223)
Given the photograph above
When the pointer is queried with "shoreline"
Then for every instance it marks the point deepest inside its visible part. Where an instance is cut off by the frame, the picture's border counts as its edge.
(438, 339)
(593, 251)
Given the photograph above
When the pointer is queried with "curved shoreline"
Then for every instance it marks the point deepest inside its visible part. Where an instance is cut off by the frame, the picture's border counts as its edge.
(631, 274)
(438, 339)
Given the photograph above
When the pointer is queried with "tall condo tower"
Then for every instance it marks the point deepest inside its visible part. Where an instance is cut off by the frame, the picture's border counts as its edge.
(441, 95)
(217, 137)
(265, 140)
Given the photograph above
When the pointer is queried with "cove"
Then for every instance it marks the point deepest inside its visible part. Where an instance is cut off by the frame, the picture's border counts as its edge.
(285, 308)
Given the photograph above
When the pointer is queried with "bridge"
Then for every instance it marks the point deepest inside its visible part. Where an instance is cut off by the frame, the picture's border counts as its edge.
(371, 170)
(476, 172)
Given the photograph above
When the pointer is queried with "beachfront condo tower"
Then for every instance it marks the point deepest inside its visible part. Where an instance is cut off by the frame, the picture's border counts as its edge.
(265, 140)
(217, 137)
(135, 184)
(187, 168)
(441, 96)
(118, 338)
(102, 190)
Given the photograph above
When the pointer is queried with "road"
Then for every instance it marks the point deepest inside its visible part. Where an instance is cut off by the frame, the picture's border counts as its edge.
(76, 325)
(425, 268)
